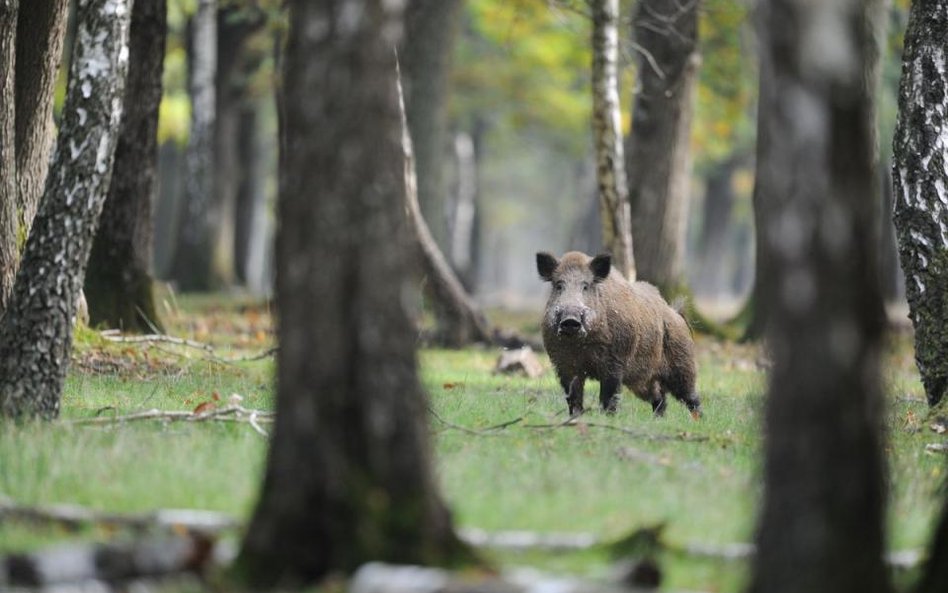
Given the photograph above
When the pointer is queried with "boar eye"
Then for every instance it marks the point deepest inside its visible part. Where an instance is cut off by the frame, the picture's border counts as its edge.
(585, 286)
(559, 285)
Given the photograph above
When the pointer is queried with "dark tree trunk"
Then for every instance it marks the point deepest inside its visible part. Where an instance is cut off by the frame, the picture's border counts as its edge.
(41, 29)
(921, 192)
(9, 253)
(425, 55)
(659, 155)
(821, 525)
(607, 138)
(935, 573)
(716, 228)
(118, 284)
(193, 257)
(169, 193)
(348, 477)
(36, 332)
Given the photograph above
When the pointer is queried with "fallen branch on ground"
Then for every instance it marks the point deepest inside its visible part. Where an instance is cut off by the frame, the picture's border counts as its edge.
(577, 422)
(489, 431)
(114, 336)
(231, 413)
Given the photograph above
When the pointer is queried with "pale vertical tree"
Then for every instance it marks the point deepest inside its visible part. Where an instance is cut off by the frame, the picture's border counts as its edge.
(659, 147)
(607, 137)
(36, 331)
(920, 158)
(821, 523)
(349, 476)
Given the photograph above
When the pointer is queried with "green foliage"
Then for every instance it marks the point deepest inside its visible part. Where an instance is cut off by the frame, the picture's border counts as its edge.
(727, 82)
(525, 64)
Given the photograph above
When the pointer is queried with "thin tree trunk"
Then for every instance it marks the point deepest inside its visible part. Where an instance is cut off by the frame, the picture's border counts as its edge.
(118, 284)
(169, 200)
(425, 54)
(465, 205)
(41, 29)
(348, 477)
(921, 215)
(193, 258)
(9, 253)
(715, 228)
(36, 332)
(893, 283)
(659, 150)
(607, 138)
(250, 230)
(821, 525)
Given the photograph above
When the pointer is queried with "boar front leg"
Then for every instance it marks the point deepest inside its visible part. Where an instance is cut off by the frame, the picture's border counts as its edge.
(608, 388)
(574, 393)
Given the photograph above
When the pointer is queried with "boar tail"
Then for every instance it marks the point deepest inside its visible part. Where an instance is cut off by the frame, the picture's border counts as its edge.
(680, 306)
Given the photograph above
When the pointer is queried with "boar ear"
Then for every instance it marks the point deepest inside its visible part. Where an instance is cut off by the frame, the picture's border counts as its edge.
(546, 263)
(600, 266)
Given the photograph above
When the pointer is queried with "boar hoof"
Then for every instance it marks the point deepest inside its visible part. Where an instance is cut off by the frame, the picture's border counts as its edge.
(611, 407)
(575, 410)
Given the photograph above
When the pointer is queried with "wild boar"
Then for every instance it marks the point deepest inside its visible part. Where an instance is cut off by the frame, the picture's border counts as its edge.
(600, 326)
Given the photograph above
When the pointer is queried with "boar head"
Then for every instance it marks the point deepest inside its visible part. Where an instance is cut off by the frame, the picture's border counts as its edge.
(572, 307)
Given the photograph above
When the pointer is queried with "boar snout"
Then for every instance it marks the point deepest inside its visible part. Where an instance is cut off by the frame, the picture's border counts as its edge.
(571, 322)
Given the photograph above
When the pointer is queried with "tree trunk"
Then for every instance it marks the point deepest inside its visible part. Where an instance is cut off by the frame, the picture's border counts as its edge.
(459, 322)
(194, 253)
(821, 525)
(464, 206)
(118, 284)
(9, 253)
(348, 477)
(921, 216)
(716, 228)
(425, 55)
(607, 137)
(169, 199)
(36, 332)
(250, 227)
(935, 573)
(41, 28)
(893, 283)
(659, 154)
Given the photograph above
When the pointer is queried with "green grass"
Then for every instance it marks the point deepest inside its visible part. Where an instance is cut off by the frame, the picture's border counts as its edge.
(567, 479)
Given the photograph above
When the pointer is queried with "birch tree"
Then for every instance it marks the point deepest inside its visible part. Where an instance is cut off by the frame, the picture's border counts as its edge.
(919, 171)
(607, 136)
(36, 331)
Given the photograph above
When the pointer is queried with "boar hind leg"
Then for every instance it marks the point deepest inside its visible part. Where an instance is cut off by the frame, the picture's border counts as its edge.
(608, 398)
(686, 394)
(574, 393)
(657, 398)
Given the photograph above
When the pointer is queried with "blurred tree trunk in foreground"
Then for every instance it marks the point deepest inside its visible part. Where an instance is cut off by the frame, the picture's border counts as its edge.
(31, 44)
(192, 264)
(920, 159)
(607, 138)
(659, 147)
(36, 331)
(349, 477)
(821, 524)
(118, 284)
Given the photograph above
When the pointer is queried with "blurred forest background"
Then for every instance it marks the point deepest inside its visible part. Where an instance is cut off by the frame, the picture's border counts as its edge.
(515, 173)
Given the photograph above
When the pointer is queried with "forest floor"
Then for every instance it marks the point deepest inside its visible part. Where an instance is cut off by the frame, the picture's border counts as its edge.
(605, 475)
